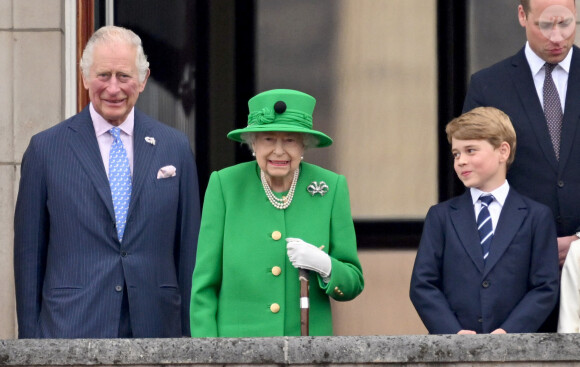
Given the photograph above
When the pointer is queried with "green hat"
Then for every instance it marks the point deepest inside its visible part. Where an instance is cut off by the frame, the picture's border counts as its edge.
(281, 110)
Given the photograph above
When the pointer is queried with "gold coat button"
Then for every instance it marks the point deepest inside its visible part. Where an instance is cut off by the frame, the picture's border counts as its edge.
(276, 270)
(276, 235)
(275, 308)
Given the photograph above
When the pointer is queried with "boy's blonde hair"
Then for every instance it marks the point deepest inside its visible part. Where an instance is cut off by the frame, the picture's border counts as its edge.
(484, 123)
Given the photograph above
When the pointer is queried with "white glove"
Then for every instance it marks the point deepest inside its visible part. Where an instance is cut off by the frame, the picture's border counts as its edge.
(303, 255)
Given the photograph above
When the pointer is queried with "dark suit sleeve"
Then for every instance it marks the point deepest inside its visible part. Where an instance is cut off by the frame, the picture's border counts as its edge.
(426, 281)
(31, 223)
(188, 231)
(543, 278)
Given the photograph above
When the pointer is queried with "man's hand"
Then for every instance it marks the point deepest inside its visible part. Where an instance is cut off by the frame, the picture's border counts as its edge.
(564, 247)
(499, 331)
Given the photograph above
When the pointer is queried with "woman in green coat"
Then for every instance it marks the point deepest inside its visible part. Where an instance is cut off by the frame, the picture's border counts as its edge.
(263, 220)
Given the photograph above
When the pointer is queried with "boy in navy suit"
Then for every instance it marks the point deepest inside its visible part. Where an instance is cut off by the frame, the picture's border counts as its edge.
(488, 259)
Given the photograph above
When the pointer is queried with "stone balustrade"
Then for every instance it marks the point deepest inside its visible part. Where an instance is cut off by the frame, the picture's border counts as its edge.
(408, 350)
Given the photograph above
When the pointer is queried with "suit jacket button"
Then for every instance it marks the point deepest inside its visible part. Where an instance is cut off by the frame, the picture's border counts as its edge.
(123, 254)
(480, 320)
(275, 308)
(485, 284)
(560, 183)
(118, 288)
(276, 235)
(276, 270)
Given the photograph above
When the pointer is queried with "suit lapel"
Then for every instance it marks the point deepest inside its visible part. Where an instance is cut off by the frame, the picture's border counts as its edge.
(84, 145)
(463, 219)
(572, 109)
(531, 105)
(512, 215)
(143, 153)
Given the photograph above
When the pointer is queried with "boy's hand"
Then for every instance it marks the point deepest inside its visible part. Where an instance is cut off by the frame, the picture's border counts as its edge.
(499, 331)
(466, 332)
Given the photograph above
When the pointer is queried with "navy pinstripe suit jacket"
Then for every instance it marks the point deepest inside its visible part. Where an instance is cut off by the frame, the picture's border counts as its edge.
(69, 265)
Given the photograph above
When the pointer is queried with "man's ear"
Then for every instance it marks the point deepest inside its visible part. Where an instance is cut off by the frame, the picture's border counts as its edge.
(144, 82)
(522, 17)
(85, 82)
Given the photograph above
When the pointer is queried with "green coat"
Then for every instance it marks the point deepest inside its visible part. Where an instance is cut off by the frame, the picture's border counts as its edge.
(235, 282)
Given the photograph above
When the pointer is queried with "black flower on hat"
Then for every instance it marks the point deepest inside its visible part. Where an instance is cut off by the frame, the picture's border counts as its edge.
(280, 107)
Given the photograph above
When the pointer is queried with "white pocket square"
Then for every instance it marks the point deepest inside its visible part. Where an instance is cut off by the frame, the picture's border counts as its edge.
(167, 171)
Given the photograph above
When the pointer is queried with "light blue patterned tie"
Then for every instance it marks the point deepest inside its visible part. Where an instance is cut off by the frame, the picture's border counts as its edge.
(484, 225)
(120, 180)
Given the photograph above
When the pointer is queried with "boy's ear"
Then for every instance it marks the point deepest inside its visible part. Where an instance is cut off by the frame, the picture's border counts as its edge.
(504, 151)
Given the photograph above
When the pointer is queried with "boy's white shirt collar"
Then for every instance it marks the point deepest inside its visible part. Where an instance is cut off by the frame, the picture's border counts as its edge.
(500, 194)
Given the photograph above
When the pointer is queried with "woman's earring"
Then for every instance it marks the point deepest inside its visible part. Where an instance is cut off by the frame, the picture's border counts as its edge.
(253, 154)
(301, 157)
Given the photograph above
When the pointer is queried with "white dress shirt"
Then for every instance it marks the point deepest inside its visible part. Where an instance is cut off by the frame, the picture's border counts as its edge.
(559, 74)
(499, 194)
(105, 139)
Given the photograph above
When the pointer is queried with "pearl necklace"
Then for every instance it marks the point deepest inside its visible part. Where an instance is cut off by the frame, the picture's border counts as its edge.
(286, 200)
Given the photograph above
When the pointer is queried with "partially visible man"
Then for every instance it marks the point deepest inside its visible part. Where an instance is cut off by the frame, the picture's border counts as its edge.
(546, 166)
(539, 88)
(108, 212)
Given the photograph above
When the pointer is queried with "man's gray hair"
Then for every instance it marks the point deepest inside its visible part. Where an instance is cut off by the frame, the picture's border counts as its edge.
(112, 34)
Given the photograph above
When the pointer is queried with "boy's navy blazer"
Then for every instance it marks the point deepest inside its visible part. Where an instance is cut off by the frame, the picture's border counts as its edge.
(70, 268)
(515, 289)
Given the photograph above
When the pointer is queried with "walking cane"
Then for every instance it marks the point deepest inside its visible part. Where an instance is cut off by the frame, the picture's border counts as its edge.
(304, 302)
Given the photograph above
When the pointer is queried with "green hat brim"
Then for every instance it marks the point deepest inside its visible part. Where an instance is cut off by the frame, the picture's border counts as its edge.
(323, 139)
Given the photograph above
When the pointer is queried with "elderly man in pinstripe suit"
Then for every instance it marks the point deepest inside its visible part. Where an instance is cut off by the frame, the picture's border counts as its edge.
(92, 261)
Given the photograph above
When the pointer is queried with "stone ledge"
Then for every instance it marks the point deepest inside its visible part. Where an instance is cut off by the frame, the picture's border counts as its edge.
(409, 350)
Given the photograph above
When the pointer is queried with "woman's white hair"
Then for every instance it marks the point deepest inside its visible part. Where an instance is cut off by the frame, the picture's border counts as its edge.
(113, 34)
(309, 140)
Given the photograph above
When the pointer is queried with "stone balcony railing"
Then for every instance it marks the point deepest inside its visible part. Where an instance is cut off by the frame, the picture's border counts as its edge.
(408, 350)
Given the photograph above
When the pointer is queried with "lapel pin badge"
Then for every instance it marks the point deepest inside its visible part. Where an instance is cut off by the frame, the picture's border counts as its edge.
(150, 140)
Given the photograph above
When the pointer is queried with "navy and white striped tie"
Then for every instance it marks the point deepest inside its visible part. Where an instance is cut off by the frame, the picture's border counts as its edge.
(484, 225)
